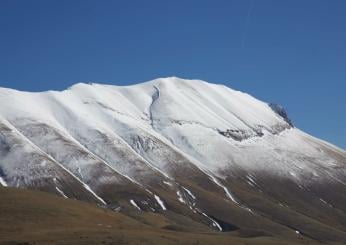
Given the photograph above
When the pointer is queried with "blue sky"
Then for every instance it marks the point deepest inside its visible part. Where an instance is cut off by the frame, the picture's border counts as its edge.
(289, 52)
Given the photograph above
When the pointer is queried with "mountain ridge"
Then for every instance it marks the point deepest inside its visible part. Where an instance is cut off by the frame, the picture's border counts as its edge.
(176, 147)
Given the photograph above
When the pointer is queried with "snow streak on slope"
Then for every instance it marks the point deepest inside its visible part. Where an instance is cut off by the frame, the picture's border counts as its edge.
(160, 202)
(3, 182)
(61, 192)
(133, 203)
(213, 222)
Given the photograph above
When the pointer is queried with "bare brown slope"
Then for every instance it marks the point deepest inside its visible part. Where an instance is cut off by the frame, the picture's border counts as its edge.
(30, 217)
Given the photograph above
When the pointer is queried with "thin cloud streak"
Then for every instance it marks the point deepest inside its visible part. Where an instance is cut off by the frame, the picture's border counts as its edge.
(247, 22)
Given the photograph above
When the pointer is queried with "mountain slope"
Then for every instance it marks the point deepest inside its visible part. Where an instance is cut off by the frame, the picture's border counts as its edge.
(178, 147)
(31, 217)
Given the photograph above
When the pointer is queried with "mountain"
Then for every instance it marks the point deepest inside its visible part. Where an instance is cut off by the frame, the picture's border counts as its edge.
(192, 151)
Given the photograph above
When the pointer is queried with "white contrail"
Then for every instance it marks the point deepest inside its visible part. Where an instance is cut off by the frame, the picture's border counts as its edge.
(247, 22)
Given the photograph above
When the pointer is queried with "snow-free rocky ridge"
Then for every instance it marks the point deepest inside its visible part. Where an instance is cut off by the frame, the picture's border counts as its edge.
(176, 147)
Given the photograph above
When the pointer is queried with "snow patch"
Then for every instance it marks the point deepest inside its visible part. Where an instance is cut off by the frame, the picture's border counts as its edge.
(214, 223)
(61, 192)
(95, 195)
(180, 197)
(135, 204)
(167, 183)
(326, 203)
(323, 201)
(229, 195)
(190, 193)
(251, 180)
(283, 205)
(160, 202)
(3, 182)
(227, 192)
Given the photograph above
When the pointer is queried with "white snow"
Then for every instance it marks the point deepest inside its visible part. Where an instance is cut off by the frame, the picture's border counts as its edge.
(61, 192)
(136, 130)
(323, 201)
(190, 193)
(90, 190)
(215, 224)
(160, 202)
(200, 107)
(33, 146)
(80, 172)
(167, 183)
(326, 203)
(135, 204)
(3, 182)
(180, 197)
(283, 205)
(251, 180)
(227, 192)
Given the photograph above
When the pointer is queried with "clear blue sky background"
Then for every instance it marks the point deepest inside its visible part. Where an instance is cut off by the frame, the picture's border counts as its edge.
(289, 52)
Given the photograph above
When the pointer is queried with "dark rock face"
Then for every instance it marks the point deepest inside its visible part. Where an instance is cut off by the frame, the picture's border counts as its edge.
(280, 110)
(239, 135)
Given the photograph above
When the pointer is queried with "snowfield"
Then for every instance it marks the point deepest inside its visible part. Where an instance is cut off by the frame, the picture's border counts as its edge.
(169, 142)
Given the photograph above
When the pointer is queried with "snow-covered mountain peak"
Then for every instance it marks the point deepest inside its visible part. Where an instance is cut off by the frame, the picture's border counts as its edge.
(173, 99)
(163, 102)
(195, 148)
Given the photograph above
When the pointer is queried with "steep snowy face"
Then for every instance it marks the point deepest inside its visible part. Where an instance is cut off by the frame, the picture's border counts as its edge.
(159, 102)
(169, 145)
(210, 105)
(162, 103)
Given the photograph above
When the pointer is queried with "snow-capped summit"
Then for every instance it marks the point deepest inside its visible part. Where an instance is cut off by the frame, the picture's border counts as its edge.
(172, 145)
